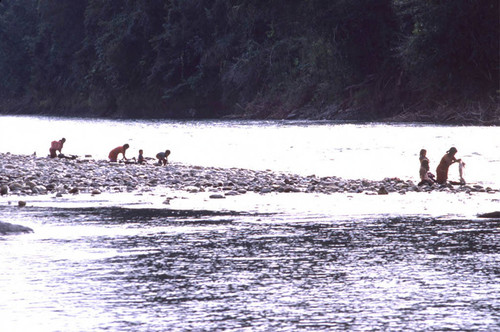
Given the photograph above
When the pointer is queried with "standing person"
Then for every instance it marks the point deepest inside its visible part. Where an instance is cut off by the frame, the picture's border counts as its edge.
(140, 159)
(113, 154)
(446, 161)
(56, 146)
(162, 157)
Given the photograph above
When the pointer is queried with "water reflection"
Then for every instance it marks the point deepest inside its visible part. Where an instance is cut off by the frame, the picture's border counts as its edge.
(212, 271)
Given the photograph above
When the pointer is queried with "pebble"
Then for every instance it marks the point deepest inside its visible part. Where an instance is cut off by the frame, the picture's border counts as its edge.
(30, 175)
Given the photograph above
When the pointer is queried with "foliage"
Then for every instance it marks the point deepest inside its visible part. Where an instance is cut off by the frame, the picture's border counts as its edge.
(450, 43)
(209, 58)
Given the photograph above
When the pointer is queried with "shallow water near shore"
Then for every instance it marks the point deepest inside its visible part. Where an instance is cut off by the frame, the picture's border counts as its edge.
(147, 269)
(278, 261)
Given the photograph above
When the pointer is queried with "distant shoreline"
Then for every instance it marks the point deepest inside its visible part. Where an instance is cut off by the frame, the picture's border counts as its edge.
(307, 114)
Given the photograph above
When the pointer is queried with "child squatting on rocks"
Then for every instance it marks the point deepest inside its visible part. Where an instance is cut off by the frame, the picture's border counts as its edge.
(162, 157)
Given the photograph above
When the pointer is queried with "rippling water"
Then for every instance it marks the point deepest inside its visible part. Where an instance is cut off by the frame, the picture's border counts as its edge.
(121, 269)
(275, 262)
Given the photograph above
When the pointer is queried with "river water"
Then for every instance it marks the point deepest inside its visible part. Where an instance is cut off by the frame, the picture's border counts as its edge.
(273, 262)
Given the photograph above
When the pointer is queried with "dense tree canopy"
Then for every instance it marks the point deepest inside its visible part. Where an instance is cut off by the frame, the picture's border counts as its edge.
(251, 58)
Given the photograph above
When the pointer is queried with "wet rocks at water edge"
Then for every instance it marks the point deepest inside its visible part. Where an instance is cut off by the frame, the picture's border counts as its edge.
(4, 189)
(29, 175)
(491, 215)
(7, 228)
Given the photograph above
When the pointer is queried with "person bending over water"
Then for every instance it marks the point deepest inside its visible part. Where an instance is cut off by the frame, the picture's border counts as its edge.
(426, 177)
(113, 154)
(162, 157)
(446, 161)
(56, 146)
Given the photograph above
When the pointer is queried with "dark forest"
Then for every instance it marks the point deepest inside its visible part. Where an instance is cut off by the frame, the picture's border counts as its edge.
(399, 60)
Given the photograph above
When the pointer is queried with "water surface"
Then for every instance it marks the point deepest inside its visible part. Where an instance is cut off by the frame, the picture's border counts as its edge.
(274, 262)
(155, 270)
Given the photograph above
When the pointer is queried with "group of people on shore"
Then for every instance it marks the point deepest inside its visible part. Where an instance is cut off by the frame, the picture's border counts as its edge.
(426, 177)
(57, 146)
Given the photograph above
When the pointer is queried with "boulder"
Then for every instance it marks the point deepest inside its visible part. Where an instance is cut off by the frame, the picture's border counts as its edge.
(15, 186)
(7, 228)
(495, 215)
(383, 191)
(4, 190)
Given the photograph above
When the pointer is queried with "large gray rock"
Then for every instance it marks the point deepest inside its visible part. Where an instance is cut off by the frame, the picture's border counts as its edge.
(6, 228)
(4, 190)
(495, 215)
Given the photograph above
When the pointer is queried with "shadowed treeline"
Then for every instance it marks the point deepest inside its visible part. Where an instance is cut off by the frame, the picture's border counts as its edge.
(317, 59)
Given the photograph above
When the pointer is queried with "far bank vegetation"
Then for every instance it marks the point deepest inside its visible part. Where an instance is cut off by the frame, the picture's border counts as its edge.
(403, 60)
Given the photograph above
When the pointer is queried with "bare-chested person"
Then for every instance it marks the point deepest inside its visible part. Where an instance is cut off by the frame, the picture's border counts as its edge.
(446, 161)
(113, 154)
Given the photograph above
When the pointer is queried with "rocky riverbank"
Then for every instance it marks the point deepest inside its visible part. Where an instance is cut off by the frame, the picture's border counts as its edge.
(30, 175)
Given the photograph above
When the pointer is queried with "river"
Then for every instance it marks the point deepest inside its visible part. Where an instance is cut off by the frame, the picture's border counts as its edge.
(273, 262)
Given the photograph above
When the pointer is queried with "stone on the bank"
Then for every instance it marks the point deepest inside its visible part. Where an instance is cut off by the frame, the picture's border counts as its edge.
(192, 189)
(4, 190)
(96, 192)
(7, 228)
(217, 196)
(383, 191)
(39, 189)
(15, 186)
(495, 215)
(31, 184)
(21, 203)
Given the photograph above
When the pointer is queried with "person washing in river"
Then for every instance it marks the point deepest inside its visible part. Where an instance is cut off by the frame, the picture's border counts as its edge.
(56, 146)
(113, 154)
(162, 157)
(445, 163)
(426, 177)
